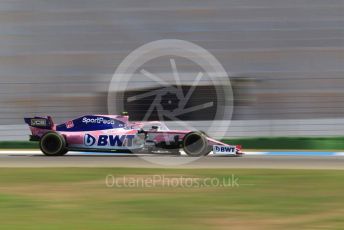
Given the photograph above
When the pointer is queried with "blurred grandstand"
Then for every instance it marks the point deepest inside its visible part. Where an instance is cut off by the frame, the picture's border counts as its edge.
(285, 58)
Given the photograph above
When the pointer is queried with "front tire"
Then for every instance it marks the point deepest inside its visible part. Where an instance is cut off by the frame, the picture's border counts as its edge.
(53, 144)
(195, 144)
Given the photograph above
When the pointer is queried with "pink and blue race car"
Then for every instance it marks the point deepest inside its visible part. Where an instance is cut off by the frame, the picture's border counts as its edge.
(115, 133)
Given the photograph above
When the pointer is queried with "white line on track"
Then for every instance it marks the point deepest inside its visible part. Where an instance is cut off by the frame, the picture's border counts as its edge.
(256, 153)
(35, 152)
(19, 152)
(38, 152)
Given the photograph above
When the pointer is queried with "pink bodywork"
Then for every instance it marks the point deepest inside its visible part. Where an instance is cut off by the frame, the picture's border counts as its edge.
(76, 139)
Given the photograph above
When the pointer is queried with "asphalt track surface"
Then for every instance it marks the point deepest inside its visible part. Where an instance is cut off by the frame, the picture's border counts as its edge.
(26, 158)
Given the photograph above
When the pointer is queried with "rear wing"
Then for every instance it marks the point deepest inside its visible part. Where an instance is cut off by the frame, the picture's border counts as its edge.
(40, 122)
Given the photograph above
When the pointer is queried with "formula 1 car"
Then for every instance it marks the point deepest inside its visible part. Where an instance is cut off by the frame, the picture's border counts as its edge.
(115, 133)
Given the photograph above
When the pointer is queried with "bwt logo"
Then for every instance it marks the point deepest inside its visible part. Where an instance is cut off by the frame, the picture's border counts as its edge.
(224, 149)
(109, 140)
(89, 140)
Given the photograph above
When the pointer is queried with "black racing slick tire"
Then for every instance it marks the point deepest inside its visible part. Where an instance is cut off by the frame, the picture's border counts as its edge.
(195, 144)
(53, 144)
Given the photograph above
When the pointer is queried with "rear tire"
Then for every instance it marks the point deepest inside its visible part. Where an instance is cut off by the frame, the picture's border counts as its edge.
(195, 144)
(53, 144)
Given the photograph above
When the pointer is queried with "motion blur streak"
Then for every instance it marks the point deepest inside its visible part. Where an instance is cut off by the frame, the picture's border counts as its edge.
(285, 58)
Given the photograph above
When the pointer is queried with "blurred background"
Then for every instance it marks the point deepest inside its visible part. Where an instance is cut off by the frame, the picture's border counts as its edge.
(285, 59)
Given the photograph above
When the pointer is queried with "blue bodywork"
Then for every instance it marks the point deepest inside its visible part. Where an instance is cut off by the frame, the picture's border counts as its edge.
(91, 123)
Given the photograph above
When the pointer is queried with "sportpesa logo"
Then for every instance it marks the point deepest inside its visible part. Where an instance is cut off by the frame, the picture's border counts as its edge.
(109, 140)
(99, 120)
